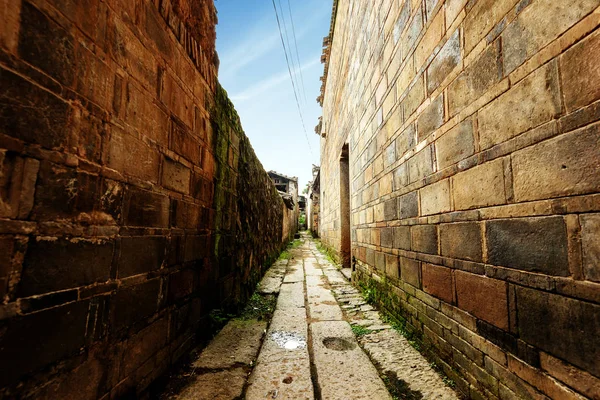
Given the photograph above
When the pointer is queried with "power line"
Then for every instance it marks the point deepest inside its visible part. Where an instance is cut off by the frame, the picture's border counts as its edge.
(297, 55)
(291, 79)
(289, 48)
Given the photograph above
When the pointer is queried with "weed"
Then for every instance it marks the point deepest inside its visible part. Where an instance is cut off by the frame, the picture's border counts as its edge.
(360, 330)
(328, 253)
(259, 307)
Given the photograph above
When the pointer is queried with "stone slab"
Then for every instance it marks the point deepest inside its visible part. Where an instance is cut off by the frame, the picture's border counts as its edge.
(222, 385)
(344, 371)
(237, 343)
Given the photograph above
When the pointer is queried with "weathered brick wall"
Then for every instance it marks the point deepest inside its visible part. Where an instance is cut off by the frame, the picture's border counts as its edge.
(131, 202)
(474, 140)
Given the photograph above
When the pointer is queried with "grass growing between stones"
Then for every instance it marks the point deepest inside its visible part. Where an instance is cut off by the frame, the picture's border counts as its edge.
(378, 296)
(259, 307)
(328, 253)
(360, 330)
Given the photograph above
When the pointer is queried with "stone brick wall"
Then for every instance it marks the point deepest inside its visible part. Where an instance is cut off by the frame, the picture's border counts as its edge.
(474, 140)
(131, 202)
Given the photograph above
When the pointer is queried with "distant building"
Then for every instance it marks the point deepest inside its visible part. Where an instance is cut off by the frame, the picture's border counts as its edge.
(312, 214)
(288, 189)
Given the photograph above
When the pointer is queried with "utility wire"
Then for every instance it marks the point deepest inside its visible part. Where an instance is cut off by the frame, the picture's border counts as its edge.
(291, 79)
(297, 55)
(289, 47)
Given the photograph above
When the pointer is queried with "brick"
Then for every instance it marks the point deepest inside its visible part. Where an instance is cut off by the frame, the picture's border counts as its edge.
(529, 244)
(38, 339)
(147, 117)
(413, 31)
(444, 62)
(402, 237)
(590, 234)
(580, 73)
(401, 21)
(10, 19)
(391, 266)
(433, 35)
(132, 156)
(175, 176)
(583, 382)
(453, 8)
(414, 98)
(480, 186)
(558, 167)
(139, 255)
(474, 293)
(577, 346)
(408, 205)
(530, 32)
(484, 15)
(380, 261)
(387, 237)
(406, 140)
(530, 103)
(94, 79)
(421, 165)
(65, 193)
(59, 264)
(42, 34)
(476, 79)
(455, 145)
(32, 114)
(461, 240)
(410, 271)
(145, 208)
(424, 238)
(431, 118)
(143, 345)
(390, 210)
(437, 281)
(133, 304)
(435, 198)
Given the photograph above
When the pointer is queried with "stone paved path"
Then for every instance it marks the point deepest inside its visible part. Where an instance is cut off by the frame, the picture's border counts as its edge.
(309, 350)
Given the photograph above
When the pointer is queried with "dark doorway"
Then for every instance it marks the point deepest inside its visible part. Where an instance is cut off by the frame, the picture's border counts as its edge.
(345, 245)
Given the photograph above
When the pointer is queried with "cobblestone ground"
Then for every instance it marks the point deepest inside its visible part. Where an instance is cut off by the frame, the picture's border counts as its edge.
(310, 350)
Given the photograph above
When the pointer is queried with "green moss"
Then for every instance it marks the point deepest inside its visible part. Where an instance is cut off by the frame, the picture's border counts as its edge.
(360, 330)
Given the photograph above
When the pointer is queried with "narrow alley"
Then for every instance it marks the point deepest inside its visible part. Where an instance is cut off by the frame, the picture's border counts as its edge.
(324, 341)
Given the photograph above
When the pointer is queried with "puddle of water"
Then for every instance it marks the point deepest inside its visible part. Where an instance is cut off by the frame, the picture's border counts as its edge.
(289, 340)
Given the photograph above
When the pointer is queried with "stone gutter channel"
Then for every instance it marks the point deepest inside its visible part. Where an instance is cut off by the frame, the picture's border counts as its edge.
(309, 350)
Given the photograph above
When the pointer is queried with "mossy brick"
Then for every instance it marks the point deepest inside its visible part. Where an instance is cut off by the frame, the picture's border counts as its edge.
(529, 244)
(387, 237)
(481, 18)
(421, 165)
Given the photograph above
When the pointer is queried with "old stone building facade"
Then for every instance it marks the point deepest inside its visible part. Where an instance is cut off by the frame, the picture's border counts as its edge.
(131, 202)
(460, 154)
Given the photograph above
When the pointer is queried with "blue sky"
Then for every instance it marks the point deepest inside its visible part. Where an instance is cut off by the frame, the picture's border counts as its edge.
(254, 72)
